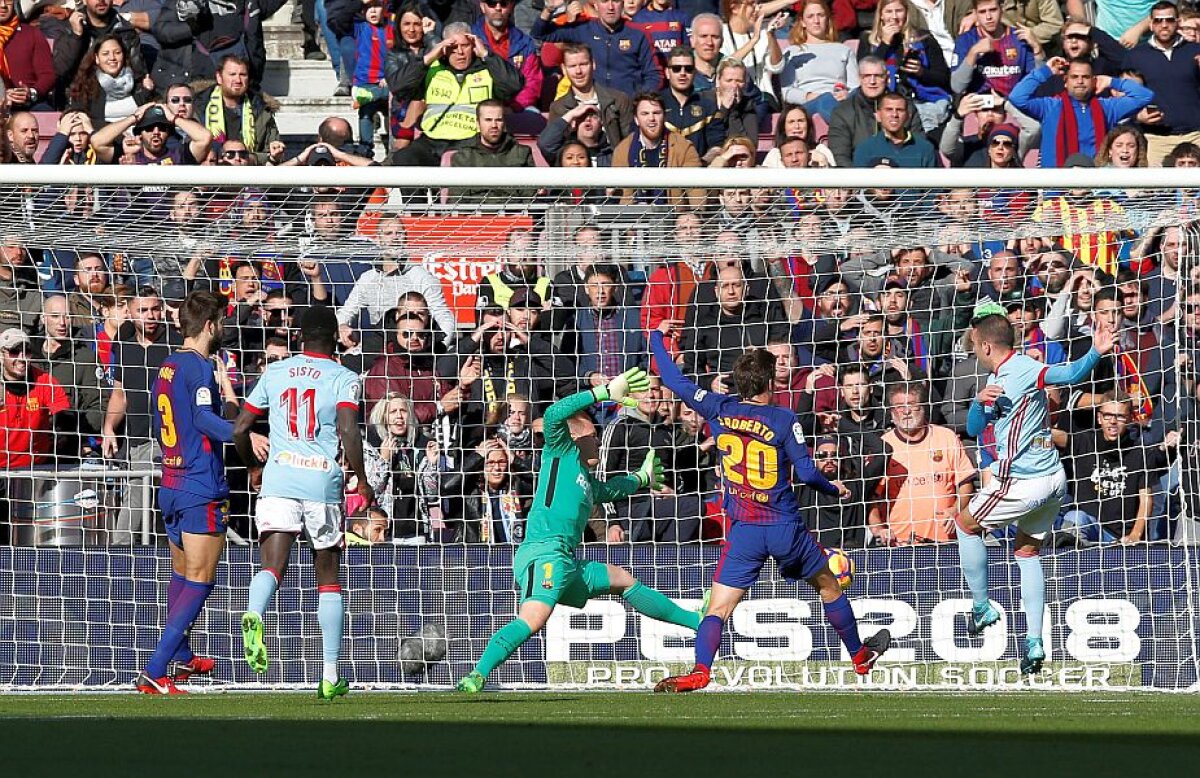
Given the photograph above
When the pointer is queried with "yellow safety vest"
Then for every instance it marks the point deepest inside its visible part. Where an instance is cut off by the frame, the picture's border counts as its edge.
(450, 101)
(502, 292)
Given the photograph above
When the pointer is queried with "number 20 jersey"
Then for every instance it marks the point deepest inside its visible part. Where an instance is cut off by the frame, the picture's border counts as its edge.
(301, 396)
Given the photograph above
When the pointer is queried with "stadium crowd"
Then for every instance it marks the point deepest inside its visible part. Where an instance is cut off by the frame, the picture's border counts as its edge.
(871, 347)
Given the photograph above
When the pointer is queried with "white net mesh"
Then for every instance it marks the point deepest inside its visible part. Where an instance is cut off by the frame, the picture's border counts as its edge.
(468, 310)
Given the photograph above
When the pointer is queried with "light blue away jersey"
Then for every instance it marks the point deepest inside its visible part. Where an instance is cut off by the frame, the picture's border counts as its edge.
(1024, 448)
(300, 396)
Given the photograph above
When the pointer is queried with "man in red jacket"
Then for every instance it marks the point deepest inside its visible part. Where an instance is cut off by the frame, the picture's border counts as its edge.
(25, 63)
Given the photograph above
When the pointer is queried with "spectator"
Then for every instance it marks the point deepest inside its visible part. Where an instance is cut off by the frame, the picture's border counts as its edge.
(1076, 121)
(992, 55)
(20, 303)
(746, 30)
(504, 39)
(870, 349)
(994, 147)
(414, 37)
(665, 24)
(789, 383)
(369, 88)
(610, 338)
(836, 523)
(722, 332)
(27, 70)
(1167, 64)
(905, 337)
(928, 478)
(393, 450)
(654, 146)
(570, 285)
(856, 118)
(407, 369)
(1025, 316)
(894, 141)
(518, 270)
(693, 115)
(144, 343)
(816, 71)
(1109, 478)
(22, 139)
(492, 147)
(153, 127)
(231, 111)
(707, 38)
(623, 54)
(729, 94)
(91, 21)
(104, 86)
(196, 37)
(580, 126)
(1163, 247)
(915, 64)
(452, 78)
(613, 107)
(494, 509)
(377, 289)
(1080, 39)
(91, 279)
(1124, 147)
(72, 363)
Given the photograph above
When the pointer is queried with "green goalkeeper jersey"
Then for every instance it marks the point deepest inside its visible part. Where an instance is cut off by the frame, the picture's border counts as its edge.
(567, 490)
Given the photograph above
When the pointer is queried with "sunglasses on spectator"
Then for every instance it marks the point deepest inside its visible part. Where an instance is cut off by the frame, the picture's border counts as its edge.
(1002, 142)
(17, 351)
(180, 99)
(1054, 266)
(825, 455)
(1163, 19)
(682, 68)
(236, 154)
(1077, 36)
(406, 334)
(497, 3)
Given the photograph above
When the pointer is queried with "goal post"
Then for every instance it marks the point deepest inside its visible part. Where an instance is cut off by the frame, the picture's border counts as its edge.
(471, 299)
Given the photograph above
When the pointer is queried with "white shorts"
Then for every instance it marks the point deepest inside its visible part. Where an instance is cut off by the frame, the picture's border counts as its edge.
(1030, 503)
(322, 521)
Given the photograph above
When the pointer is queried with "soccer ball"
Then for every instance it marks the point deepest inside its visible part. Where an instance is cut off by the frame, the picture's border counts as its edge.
(418, 652)
(841, 566)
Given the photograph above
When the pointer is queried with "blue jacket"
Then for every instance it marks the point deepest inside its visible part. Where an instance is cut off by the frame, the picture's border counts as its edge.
(1048, 110)
(624, 57)
(1175, 83)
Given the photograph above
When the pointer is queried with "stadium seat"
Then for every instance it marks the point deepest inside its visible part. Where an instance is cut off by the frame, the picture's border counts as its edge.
(820, 128)
(538, 159)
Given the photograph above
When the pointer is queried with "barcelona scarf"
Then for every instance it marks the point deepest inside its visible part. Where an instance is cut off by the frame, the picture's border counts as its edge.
(1130, 380)
(918, 351)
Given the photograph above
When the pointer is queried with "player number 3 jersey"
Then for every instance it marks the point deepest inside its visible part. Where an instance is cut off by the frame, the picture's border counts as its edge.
(301, 394)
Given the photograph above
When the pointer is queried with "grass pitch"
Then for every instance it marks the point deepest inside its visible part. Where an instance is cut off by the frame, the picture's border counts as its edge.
(573, 735)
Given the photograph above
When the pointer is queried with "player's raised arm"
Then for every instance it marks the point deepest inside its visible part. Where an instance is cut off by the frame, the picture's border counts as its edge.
(557, 433)
(1076, 371)
(700, 400)
(802, 464)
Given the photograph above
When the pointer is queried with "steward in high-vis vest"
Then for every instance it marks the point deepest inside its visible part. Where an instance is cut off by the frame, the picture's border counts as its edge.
(454, 77)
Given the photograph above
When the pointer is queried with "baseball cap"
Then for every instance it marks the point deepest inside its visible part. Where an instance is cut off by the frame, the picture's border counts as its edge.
(525, 298)
(882, 162)
(13, 337)
(1079, 159)
(894, 282)
(153, 117)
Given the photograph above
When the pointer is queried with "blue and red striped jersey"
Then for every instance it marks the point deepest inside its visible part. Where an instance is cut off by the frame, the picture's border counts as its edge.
(762, 448)
(371, 44)
(188, 425)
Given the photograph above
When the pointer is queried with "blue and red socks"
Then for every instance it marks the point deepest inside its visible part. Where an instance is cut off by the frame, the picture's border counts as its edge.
(184, 652)
(708, 640)
(841, 616)
(188, 604)
(331, 612)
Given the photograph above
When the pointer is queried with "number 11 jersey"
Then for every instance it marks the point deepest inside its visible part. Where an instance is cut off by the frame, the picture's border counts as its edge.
(300, 396)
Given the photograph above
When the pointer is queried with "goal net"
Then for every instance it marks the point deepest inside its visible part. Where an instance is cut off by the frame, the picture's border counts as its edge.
(471, 300)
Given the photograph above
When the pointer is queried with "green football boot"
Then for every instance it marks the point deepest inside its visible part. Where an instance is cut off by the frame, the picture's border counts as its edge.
(472, 683)
(328, 691)
(252, 641)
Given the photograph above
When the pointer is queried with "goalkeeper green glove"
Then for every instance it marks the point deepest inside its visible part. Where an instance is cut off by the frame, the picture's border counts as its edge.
(650, 474)
(632, 381)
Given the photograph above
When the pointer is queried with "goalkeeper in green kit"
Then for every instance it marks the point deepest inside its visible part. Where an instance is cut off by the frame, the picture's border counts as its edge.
(545, 567)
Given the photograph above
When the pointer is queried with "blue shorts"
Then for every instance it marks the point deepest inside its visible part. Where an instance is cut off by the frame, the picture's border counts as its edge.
(183, 512)
(749, 546)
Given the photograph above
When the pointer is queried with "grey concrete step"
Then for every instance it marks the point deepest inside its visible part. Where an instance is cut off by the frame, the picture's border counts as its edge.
(299, 78)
